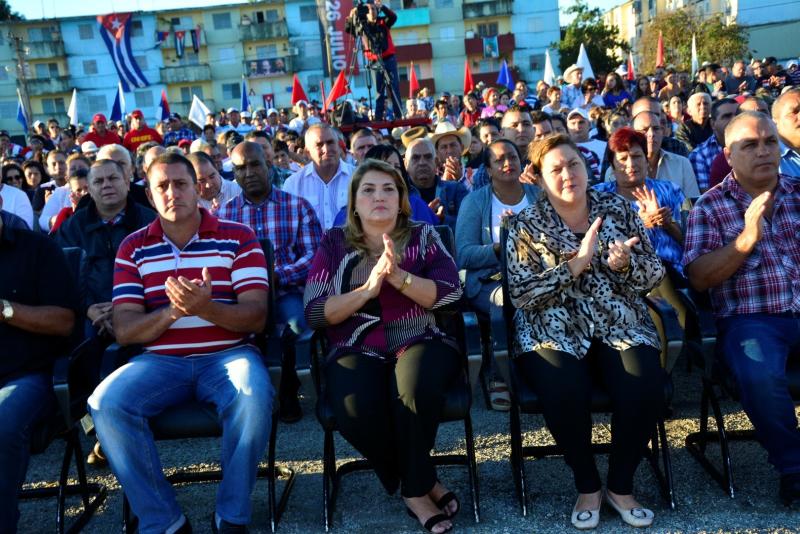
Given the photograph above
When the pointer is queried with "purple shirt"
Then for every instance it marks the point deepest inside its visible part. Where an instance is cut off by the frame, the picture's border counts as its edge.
(387, 325)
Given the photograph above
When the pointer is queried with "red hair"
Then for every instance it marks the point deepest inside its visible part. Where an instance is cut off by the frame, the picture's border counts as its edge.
(622, 140)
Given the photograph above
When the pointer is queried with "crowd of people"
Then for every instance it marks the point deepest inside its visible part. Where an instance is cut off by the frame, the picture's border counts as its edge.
(609, 190)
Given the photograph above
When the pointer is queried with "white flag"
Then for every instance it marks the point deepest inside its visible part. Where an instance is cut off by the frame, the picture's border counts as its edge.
(549, 72)
(72, 112)
(583, 61)
(695, 61)
(198, 112)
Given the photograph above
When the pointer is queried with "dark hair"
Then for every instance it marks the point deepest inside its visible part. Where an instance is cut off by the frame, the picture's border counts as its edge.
(200, 157)
(279, 146)
(39, 165)
(622, 140)
(503, 141)
(587, 84)
(719, 103)
(252, 134)
(172, 158)
(11, 166)
(538, 117)
(488, 121)
(516, 108)
(382, 152)
(558, 117)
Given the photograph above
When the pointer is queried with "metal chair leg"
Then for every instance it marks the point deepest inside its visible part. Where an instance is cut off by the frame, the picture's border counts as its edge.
(472, 469)
(667, 463)
(328, 479)
(517, 458)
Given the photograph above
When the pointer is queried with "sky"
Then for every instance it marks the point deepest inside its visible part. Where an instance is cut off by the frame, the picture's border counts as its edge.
(37, 9)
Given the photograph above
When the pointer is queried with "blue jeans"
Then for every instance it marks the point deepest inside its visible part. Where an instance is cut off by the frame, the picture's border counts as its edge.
(289, 310)
(24, 401)
(755, 348)
(489, 302)
(380, 87)
(234, 380)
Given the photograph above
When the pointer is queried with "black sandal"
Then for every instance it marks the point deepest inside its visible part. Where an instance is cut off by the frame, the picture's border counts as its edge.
(432, 521)
(445, 500)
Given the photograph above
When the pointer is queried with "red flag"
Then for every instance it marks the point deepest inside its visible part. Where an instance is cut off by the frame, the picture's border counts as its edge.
(631, 74)
(413, 84)
(660, 51)
(339, 89)
(297, 91)
(164, 106)
(469, 85)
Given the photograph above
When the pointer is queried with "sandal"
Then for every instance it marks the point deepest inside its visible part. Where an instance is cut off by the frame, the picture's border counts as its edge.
(499, 396)
(432, 521)
(445, 500)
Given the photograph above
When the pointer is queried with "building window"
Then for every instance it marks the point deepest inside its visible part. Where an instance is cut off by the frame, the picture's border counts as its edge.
(267, 51)
(144, 99)
(308, 13)
(448, 33)
(175, 21)
(52, 106)
(489, 65)
(141, 61)
(97, 104)
(137, 30)
(188, 92)
(444, 3)
(488, 29)
(3, 75)
(189, 59)
(46, 70)
(227, 55)
(89, 66)
(231, 91)
(535, 24)
(85, 31)
(46, 34)
(537, 62)
(222, 21)
(403, 72)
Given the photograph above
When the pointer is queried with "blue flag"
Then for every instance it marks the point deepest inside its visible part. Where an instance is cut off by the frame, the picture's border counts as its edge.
(118, 109)
(22, 117)
(245, 104)
(504, 78)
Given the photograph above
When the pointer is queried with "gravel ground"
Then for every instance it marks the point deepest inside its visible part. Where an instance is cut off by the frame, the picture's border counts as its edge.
(701, 504)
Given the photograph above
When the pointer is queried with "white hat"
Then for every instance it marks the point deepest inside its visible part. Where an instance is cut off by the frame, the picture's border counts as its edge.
(36, 124)
(578, 111)
(445, 128)
(233, 110)
(246, 115)
(301, 103)
(270, 111)
(88, 147)
(572, 68)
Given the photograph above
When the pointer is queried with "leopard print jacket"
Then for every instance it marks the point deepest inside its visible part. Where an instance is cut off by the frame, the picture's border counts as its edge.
(559, 312)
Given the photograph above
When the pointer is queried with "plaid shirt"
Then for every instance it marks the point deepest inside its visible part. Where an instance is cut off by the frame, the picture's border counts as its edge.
(292, 226)
(768, 281)
(172, 138)
(702, 157)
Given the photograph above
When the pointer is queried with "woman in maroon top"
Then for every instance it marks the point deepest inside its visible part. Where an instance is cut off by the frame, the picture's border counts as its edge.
(373, 286)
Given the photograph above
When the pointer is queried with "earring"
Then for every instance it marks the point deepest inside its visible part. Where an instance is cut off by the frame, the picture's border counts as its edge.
(355, 213)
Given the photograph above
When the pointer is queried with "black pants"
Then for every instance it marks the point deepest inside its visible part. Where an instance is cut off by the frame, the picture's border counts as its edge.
(634, 380)
(390, 412)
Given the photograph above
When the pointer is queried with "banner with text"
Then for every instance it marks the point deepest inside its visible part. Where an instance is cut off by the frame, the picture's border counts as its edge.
(337, 45)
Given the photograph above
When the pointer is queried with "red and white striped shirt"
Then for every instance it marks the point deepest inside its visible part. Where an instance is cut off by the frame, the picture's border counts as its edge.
(146, 259)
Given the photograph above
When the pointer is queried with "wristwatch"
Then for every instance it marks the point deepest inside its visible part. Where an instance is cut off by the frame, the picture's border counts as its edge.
(406, 283)
(8, 311)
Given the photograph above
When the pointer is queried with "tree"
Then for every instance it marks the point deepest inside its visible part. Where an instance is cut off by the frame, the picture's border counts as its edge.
(716, 41)
(6, 13)
(600, 40)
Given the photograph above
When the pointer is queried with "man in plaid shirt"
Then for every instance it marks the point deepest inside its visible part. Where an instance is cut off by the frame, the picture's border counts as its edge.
(742, 245)
(291, 224)
(722, 111)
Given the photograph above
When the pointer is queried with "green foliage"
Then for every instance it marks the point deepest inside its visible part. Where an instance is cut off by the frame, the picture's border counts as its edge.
(7, 14)
(601, 41)
(716, 41)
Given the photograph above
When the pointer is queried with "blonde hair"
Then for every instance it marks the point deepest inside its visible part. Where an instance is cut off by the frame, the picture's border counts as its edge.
(354, 231)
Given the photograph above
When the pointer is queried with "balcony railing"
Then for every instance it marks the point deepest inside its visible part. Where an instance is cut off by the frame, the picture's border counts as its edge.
(268, 68)
(169, 42)
(414, 52)
(414, 16)
(186, 74)
(44, 49)
(261, 31)
(47, 86)
(486, 9)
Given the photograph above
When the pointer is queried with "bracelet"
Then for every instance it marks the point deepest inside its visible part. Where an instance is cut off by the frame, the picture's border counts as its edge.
(406, 283)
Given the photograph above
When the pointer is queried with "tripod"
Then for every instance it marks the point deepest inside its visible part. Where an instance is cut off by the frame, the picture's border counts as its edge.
(362, 33)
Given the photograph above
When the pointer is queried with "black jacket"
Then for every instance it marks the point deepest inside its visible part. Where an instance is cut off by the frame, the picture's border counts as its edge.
(100, 242)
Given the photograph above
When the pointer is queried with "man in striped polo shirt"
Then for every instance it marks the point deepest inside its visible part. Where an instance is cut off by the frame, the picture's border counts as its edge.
(191, 289)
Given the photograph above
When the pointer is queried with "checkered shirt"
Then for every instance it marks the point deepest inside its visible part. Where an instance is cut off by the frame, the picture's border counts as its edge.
(702, 157)
(768, 281)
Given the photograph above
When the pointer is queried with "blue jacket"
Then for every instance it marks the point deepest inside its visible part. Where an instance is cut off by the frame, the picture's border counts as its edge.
(450, 194)
(474, 245)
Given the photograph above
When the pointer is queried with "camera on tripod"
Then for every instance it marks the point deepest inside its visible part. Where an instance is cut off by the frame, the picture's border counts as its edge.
(362, 10)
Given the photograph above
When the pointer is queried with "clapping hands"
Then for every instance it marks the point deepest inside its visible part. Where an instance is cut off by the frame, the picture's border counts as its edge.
(385, 269)
(652, 215)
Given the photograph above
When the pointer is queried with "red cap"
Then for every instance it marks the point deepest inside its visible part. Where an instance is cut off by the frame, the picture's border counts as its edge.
(99, 117)
(184, 142)
(137, 113)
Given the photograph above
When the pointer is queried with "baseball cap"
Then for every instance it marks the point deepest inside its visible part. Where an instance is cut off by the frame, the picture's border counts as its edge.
(301, 103)
(99, 117)
(174, 116)
(137, 113)
(233, 110)
(36, 124)
(270, 111)
(4, 133)
(246, 115)
(88, 147)
(184, 142)
(578, 111)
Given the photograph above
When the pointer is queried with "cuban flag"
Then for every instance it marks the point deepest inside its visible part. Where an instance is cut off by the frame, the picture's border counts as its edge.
(115, 31)
(180, 43)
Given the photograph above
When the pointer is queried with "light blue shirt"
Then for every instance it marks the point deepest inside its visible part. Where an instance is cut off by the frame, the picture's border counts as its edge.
(790, 161)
